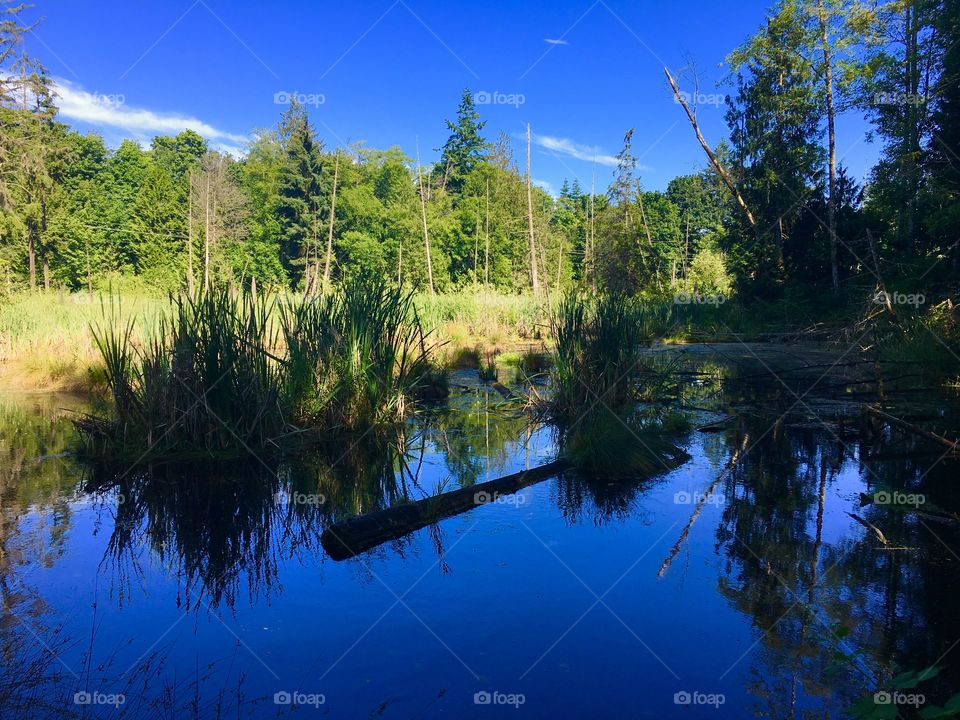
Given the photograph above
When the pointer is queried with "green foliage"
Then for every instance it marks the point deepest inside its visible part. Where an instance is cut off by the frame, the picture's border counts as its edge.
(465, 147)
(775, 130)
(708, 275)
(355, 358)
(300, 194)
(75, 214)
(158, 229)
(202, 382)
(598, 344)
(883, 704)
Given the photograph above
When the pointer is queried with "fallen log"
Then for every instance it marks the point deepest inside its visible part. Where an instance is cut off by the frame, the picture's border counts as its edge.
(359, 534)
(717, 425)
(873, 528)
(909, 427)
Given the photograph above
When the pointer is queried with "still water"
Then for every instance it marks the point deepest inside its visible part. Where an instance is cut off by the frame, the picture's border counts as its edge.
(717, 589)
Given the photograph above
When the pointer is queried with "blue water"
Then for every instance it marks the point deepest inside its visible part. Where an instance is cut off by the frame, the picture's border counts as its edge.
(546, 606)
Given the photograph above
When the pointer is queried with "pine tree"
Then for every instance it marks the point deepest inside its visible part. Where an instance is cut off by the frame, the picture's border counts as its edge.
(465, 147)
(775, 122)
(300, 197)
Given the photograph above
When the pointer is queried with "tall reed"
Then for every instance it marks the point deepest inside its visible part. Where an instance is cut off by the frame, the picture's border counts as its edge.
(598, 381)
(203, 381)
(598, 345)
(355, 358)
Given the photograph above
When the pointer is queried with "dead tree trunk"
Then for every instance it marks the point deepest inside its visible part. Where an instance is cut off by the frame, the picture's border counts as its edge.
(206, 237)
(486, 245)
(352, 537)
(190, 234)
(423, 215)
(534, 280)
(590, 259)
(333, 210)
(711, 156)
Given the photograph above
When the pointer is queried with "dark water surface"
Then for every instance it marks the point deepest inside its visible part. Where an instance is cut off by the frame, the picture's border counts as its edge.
(204, 591)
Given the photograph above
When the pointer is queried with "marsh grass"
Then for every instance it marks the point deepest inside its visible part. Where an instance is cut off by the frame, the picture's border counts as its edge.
(597, 359)
(204, 380)
(357, 357)
(599, 378)
(223, 373)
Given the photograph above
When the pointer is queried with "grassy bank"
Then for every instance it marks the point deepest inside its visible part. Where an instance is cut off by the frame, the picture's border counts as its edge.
(46, 342)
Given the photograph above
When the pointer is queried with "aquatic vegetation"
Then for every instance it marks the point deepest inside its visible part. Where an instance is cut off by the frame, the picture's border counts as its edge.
(488, 371)
(599, 377)
(356, 357)
(607, 445)
(226, 373)
(203, 381)
(929, 339)
(533, 362)
(598, 352)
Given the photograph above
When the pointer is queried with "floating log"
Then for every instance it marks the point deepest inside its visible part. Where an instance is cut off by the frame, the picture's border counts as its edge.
(717, 425)
(870, 526)
(356, 535)
(909, 427)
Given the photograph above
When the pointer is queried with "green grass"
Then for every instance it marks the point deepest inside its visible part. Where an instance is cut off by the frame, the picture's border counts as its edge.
(356, 357)
(46, 343)
(203, 380)
(45, 338)
(222, 374)
(480, 315)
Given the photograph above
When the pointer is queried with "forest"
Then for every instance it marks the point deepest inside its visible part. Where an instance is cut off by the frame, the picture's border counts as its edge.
(774, 214)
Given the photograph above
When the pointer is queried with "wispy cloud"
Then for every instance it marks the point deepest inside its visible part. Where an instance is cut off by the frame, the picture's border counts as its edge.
(566, 146)
(552, 41)
(544, 185)
(111, 111)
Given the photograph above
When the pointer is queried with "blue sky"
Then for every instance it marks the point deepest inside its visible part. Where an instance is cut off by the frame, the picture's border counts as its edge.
(389, 73)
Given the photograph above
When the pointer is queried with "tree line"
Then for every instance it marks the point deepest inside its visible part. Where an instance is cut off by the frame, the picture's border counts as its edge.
(774, 212)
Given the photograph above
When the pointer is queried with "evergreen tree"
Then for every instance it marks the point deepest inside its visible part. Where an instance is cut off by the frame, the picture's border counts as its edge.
(299, 196)
(465, 147)
(158, 230)
(775, 122)
(944, 220)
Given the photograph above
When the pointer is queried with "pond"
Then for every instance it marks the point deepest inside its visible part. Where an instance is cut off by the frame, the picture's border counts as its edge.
(801, 558)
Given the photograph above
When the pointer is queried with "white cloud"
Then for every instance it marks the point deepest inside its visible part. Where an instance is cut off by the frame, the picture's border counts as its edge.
(551, 41)
(566, 146)
(545, 186)
(112, 111)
